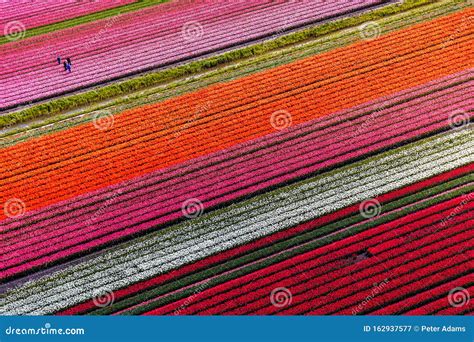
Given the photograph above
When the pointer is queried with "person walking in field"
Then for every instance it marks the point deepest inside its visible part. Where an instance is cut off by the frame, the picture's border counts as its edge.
(68, 67)
(59, 59)
(68, 61)
(65, 65)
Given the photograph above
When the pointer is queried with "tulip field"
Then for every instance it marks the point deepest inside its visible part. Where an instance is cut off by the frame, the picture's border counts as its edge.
(128, 47)
(237, 157)
(35, 14)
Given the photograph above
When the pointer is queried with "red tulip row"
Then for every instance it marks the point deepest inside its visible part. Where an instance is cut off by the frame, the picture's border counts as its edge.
(353, 282)
(271, 239)
(427, 273)
(351, 289)
(306, 260)
(415, 303)
(306, 296)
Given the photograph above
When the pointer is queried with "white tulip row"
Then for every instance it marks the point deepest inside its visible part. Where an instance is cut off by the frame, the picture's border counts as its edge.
(240, 223)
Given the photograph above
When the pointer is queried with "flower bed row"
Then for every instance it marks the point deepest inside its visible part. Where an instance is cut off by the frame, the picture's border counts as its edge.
(146, 220)
(150, 79)
(418, 301)
(42, 31)
(339, 118)
(265, 262)
(351, 290)
(442, 306)
(247, 293)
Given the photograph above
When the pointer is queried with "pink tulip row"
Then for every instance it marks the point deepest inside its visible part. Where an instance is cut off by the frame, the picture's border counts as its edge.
(121, 28)
(111, 54)
(22, 48)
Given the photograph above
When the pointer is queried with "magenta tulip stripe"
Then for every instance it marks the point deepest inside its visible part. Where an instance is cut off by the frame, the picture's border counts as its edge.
(119, 46)
(332, 183)
(30, 14)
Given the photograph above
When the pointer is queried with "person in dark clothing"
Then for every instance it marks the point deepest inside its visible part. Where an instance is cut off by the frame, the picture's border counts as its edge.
(65, 66)
(68, 61)
(68, 66)
(59, 60)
